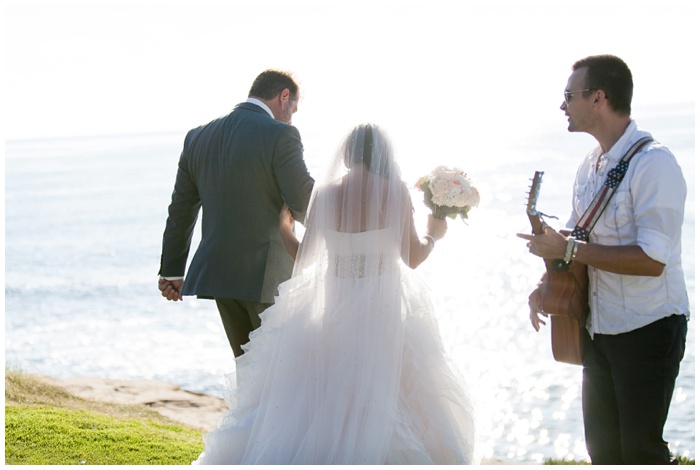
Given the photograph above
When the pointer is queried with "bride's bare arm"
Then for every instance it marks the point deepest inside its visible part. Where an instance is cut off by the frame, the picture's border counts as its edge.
(420, 247)
(291, 242)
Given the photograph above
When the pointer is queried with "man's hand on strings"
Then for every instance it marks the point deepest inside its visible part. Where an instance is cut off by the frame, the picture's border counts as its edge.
(548, 245)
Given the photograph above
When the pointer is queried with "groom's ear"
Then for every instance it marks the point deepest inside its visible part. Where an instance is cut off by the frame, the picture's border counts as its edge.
(284, 95)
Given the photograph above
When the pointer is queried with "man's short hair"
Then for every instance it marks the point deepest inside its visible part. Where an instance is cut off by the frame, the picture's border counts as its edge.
(270, 83)
(610, 74)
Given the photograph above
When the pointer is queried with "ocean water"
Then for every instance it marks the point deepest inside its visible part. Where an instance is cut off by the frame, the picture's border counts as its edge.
(83, 224)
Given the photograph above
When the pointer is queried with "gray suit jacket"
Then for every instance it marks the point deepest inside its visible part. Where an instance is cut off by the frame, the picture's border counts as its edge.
(239, 169)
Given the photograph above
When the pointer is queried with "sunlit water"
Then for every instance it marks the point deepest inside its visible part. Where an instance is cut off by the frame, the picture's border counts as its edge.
(84, 221)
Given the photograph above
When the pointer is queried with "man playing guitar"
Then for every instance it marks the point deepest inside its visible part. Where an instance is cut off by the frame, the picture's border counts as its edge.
(635, 333)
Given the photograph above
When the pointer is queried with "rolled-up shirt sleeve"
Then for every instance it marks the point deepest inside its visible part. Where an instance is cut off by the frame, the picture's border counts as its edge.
(659, 192)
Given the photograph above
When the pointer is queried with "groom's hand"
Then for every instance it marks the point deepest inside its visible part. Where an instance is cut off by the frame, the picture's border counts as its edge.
(170, 289)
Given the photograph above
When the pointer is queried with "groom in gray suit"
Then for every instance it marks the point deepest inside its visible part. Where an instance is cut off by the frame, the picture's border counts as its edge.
(239, 169)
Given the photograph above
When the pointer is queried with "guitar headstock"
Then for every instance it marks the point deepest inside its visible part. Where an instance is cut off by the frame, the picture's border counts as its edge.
(532, 212)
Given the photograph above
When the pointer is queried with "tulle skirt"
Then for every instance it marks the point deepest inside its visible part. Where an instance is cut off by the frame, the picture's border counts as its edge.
(346, 371)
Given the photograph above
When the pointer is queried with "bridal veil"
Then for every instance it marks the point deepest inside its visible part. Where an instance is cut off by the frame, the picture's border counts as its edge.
(348, 366)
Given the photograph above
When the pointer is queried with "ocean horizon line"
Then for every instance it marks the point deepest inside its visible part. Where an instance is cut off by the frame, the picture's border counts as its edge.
(684, 108)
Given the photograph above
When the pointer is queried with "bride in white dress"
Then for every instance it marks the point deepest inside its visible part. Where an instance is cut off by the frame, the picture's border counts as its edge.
(348, 366)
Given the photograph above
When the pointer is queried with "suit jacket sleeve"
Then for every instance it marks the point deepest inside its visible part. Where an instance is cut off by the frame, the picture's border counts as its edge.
(182, 217)
(291, 172)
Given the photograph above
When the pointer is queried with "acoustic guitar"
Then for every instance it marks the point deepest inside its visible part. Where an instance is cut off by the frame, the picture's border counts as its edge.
(563, 292)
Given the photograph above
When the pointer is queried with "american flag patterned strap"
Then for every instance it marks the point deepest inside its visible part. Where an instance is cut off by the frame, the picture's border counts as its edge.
(612, 181)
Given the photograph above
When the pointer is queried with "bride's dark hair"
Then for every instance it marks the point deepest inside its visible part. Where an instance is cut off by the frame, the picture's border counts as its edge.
(369, 146)
(361, 191)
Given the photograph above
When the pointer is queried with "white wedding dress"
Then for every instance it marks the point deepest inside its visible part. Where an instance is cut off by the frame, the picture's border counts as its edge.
(348, 366)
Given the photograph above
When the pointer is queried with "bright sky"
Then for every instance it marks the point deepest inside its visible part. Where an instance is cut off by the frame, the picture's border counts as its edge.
(439, 65)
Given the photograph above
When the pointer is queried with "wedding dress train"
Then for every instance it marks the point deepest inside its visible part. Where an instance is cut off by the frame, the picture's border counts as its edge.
(355, 374)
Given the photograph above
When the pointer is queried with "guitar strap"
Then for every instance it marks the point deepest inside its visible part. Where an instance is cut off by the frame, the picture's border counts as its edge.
(612, 181)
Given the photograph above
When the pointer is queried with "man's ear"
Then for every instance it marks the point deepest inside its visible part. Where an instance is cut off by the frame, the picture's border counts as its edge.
(599, 96)
(284, 95)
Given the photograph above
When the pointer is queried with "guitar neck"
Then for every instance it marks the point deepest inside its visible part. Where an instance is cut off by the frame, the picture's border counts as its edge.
(536, 223)
(532, 213)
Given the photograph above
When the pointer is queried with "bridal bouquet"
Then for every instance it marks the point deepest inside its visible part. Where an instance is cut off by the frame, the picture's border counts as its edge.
(448, 192)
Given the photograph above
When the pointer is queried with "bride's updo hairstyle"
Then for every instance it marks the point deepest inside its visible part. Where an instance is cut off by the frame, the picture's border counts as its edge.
(368, 145)
(362, 191)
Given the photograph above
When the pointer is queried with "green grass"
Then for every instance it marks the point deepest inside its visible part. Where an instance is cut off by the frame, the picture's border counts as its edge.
(565, 462)
(681, 461)
(685, 460)
(44, 425)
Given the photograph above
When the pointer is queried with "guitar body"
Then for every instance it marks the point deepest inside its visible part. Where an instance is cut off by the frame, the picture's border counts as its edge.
(564, 295)
(565, 300)
(566, 340)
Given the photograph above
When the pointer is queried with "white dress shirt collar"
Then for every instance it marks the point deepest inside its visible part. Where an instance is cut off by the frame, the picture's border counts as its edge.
(623, 143)
(262, 105)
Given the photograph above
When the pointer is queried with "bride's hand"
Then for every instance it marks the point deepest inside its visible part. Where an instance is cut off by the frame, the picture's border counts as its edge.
(291, 242)
(286, 219)
(437, 228)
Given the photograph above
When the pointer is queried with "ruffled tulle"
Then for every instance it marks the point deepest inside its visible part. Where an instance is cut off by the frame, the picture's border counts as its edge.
(347, 368)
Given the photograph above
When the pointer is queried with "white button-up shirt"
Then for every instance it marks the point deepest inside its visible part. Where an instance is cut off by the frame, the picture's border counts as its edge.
(646, 210)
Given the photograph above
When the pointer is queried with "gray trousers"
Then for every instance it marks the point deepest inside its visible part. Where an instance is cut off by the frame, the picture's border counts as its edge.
(240, 318)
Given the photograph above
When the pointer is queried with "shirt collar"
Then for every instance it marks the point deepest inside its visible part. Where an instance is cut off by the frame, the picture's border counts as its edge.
(262, 105)
(618, 150)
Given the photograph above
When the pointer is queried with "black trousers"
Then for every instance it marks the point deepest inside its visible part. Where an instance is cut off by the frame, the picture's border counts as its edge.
(628, 382)
(240, 318)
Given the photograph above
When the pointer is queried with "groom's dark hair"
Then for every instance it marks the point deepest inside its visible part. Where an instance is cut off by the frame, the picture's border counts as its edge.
(270, 83)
